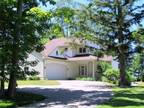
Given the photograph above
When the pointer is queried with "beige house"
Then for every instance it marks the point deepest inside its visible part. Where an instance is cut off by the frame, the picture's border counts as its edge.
(65, 58)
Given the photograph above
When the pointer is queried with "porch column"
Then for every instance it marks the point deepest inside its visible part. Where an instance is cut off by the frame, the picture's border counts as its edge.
(93, 63)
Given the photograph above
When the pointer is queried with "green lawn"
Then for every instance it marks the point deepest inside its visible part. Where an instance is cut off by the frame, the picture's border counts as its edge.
(26, 98)
(38, 82)
(126, 98)
(20, 99)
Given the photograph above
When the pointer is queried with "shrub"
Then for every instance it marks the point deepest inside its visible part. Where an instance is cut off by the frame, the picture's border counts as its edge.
(111, 75)
(85, 78)
(143, 77)
(33, 78)
(102, 67)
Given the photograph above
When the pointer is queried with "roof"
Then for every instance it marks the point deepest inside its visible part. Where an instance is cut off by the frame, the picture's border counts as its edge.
(53, 44)
(57, 57)
(82, 58)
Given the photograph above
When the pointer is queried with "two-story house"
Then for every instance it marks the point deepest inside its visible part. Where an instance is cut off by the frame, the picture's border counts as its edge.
(67, 58)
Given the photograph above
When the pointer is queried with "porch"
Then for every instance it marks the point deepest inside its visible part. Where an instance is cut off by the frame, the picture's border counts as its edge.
(85, 66)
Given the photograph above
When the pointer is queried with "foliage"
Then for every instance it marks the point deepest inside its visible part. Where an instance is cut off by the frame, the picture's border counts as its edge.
(137, 67)
(107, 73)
(23, 27)
(33, 78)
(102, 67)
(111, 75)
(85, 78)
(138, 35)
(112, 21)
(62, 22)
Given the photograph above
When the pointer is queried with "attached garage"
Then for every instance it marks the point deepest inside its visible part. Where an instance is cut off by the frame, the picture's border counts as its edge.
(56, 71)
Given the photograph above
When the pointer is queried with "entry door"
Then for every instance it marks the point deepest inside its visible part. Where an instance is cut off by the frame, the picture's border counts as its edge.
(83, 70)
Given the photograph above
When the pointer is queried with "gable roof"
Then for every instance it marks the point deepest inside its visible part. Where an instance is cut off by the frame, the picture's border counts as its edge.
(53, 44)
(71, 42)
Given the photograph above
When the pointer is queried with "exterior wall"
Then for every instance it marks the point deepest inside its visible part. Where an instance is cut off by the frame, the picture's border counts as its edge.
(34, 56)
(58, 69)
(89, 65)
(70, 52)
(73, 70)
(54, 53)
(115, 64)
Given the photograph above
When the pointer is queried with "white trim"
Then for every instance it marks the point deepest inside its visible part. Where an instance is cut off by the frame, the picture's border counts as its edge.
(93, 69)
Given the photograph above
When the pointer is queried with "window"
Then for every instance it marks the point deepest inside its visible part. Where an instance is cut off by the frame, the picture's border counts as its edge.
(57, 53)
(34, 63)
(26, 69)
(82, 70)
(82, 50)
(66, 49)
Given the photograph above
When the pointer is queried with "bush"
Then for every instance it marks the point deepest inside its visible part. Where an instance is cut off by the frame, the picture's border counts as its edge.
(33, 78)
(102, 67)
(85, 78)
(143, 77)
(111, 75)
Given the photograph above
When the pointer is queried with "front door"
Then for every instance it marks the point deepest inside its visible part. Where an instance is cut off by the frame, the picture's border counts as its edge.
(83, 70)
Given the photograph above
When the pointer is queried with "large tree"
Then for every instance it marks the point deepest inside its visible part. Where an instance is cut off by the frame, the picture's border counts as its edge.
(113, 20)
(138, 62)
(23, 27)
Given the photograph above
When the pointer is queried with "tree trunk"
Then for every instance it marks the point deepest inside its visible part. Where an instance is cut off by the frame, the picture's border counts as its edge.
(15, 51)
(122, 67)
(2, 80)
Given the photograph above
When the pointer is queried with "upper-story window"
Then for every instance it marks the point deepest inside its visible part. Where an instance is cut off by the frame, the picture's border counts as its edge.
(65, 49)
(82, 50)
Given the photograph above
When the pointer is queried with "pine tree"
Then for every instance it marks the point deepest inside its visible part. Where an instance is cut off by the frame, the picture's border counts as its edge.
(113, 21)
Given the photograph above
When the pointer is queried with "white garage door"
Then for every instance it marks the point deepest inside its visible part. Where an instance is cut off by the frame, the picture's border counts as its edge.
(56, 71)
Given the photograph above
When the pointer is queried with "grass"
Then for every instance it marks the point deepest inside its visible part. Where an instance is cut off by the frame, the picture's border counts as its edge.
(132, 97)
(23, 98)
(85, 78)
(20, 99)
(38, 82)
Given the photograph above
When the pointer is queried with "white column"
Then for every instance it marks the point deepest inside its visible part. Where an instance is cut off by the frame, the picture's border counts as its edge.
(93, 69)
(87, 69)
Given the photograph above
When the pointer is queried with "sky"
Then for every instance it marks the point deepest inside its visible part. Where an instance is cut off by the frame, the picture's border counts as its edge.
(49, 7)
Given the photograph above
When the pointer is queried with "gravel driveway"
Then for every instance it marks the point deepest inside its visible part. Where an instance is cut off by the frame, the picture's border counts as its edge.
(71, 94)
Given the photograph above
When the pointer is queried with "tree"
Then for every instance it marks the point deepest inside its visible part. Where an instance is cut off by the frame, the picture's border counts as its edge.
(68, 20)
(138, 62)
(113, 20)
(15, 49)
(137, 67)
(24, 26)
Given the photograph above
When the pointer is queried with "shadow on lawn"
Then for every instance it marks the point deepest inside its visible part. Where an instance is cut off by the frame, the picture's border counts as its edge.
(130, 97)
(57, 96)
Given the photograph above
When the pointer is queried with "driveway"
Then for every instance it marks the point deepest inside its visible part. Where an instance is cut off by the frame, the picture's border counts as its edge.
(71, 94)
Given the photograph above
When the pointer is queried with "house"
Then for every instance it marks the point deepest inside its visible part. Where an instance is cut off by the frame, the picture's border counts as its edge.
(66, 58)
